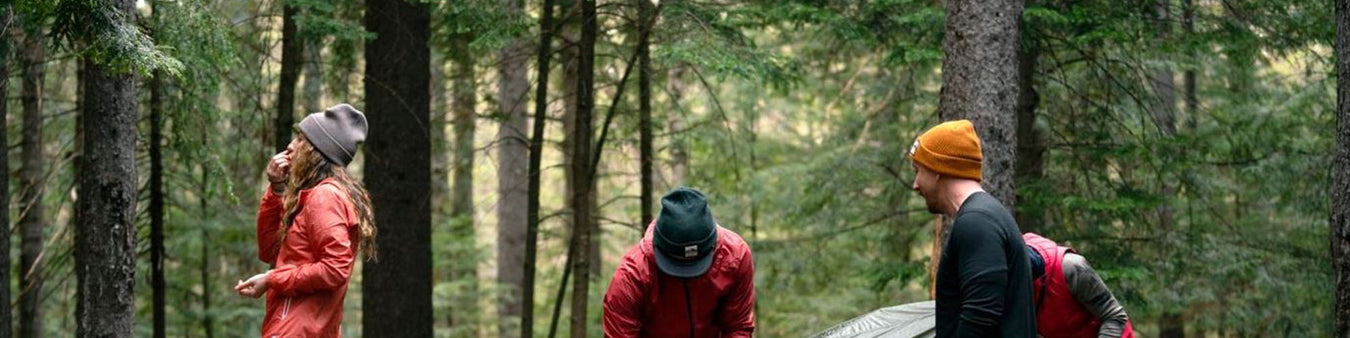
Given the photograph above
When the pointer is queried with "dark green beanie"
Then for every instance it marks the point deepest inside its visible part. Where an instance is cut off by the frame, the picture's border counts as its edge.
(685, 234)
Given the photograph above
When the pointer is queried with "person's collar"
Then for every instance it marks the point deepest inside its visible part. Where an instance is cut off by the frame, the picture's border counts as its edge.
(306, 192)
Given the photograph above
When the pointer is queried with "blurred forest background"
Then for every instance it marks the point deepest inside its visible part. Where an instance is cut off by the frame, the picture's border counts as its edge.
(1185, 147)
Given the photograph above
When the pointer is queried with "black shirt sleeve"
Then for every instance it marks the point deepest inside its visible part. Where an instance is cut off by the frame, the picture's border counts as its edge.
(983, 273)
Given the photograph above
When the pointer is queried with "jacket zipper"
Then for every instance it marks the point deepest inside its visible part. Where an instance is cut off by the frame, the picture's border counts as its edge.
(286, 308)
(689, 305)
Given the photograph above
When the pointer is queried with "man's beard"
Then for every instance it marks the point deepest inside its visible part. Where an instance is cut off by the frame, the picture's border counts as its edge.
(932, 205)
(930, 200)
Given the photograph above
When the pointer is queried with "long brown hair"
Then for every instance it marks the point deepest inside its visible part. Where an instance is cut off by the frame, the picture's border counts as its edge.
(308, 168)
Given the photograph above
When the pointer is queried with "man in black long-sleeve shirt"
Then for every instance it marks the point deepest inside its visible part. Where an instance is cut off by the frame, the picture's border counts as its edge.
(984, 275)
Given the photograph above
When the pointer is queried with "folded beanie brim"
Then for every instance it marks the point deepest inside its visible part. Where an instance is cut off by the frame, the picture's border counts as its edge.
(948, 165)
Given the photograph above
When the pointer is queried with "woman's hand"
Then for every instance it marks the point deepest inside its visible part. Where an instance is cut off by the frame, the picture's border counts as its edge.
(254, 287)
(279, 168)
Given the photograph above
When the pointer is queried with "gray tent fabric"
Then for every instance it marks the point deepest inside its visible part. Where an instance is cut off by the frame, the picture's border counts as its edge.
(913, 320)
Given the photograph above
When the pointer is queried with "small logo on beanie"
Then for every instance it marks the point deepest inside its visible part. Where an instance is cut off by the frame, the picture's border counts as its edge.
(690, 251)
(914, 148)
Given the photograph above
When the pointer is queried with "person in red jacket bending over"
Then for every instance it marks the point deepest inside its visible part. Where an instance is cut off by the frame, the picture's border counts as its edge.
(688, 277)
(1071, 299)
(312, 221)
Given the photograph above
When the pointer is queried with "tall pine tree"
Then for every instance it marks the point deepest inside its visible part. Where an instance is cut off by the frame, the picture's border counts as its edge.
(396, 299)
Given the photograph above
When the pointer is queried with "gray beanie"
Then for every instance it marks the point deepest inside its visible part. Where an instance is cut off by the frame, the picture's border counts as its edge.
(336, 132)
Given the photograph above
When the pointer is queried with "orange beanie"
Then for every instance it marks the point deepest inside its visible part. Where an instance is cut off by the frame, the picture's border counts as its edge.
(951, 148)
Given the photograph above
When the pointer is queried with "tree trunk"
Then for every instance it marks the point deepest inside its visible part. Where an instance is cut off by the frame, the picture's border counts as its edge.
(593, 256)
(396, 300)
(1192, 103)
(6, 22)
(462, 210)
(344, 54)
(156, 208)
(441, 220)
(1171, 326)
(675, 125)
(1240, 59)
(981, 44)
(1164, 86)
(571, 54)
(645, 110)
(105, 235)
(441, 149)
(31, 220)
(1164, 115)
(571, 32)
(1030, 151)
(935, 255)
(313, 51)
(581, 168)
(595, 234)
(513, 85)
(536, 156)
(290, 72)
(208, 318)
(1340, 203)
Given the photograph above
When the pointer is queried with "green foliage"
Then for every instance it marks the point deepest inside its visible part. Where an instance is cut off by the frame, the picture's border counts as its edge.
(191, 34)
(484, 22)
(907, 32)
(33, 15)
(98, 31)
(319, 19)
(712, 37)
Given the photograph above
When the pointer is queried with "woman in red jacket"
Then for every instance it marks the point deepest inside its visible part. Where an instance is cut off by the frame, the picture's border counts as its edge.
(312, 221)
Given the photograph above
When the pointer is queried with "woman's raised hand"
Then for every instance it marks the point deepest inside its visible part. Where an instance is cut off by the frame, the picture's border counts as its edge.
(279, 168)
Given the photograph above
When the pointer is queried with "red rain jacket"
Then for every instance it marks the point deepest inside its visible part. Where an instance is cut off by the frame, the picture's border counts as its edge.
(1058, 314)
(309, 282)
(643, 302)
